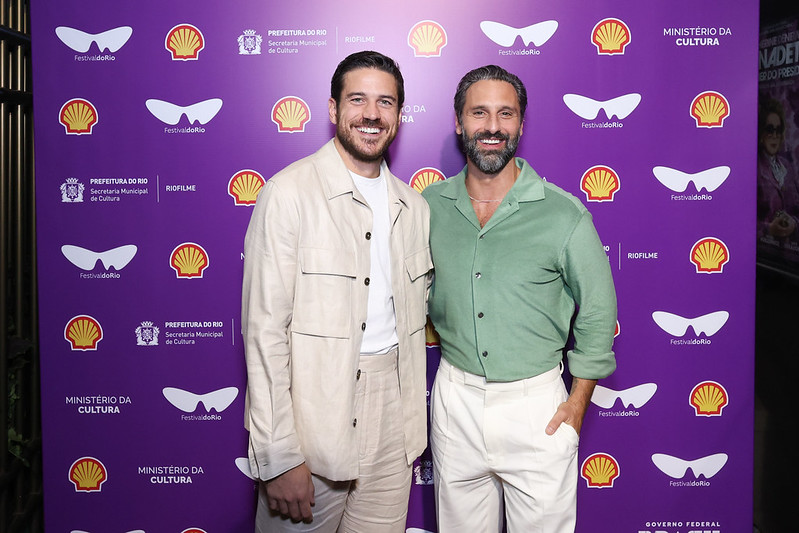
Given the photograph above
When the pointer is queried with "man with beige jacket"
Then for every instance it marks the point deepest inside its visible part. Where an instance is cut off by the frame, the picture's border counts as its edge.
(333, 315)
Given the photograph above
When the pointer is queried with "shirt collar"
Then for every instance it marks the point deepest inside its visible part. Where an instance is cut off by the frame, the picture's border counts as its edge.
(529, 186)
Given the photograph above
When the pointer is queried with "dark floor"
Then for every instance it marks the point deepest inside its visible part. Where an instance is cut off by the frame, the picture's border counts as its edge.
(776, 388)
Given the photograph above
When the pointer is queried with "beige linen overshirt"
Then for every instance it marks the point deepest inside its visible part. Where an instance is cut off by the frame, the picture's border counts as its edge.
(304, 311)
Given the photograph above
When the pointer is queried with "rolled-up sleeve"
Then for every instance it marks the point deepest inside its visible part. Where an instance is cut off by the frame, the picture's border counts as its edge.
(587, 274)
(270, 265)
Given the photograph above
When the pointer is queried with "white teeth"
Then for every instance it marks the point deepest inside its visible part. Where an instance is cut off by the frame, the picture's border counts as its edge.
(369, 130)
(490, 141)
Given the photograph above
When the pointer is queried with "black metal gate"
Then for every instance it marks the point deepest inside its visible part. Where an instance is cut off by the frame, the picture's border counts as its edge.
(20, 450)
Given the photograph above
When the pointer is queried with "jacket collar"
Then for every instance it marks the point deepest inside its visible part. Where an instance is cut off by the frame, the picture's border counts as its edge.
(337, 180)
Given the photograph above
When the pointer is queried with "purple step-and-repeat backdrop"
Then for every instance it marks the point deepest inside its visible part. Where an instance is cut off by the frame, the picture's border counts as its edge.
(158, 122)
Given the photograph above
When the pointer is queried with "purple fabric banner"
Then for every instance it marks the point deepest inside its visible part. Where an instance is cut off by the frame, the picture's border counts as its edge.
(158, 122)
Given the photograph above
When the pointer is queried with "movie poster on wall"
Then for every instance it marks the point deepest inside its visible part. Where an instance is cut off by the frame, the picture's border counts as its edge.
(157, 124)
(778, 146)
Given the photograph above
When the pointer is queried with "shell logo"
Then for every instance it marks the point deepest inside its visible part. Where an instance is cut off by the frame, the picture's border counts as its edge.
(193, 530)
(189, 260)
(709, 398)
(291, 114)
(600, 470)
(244, 186)
(427, 38)
(600, 183)
(617, 330)
(709, 110)
(78, 116)
(709, 255)
(184, 42)
(431, 335)
(88, 474)
(611, 36)
(83, 333)
(424, 177)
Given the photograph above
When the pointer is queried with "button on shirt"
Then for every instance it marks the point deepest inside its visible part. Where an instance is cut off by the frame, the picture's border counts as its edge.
(503, 295)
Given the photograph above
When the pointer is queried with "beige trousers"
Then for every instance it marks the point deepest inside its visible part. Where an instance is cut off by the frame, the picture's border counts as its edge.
(490, 449)
(378, 500)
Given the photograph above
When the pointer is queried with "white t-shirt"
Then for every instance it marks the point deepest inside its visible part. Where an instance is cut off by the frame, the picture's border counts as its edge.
(380, 334)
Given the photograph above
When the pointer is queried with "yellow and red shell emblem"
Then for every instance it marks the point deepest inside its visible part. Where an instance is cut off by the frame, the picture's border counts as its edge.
(184, 42)
(709, 255)
(709, 109)
(600, 470)
(189, 260)
(88, 474)
(83, 333)
(291, 114)
(427, 38)
(600, 183)
(244, 186)
(78, 116)
(431, 335)
(709, 398)
(611, 36)
(424, 177)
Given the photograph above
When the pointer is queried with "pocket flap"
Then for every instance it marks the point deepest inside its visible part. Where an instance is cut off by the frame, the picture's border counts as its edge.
(324, 261)
(419, 263)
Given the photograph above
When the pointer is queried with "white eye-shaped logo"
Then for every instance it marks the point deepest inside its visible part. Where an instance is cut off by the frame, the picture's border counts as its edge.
(710, 179)
(676, 325)
(86, 259)
(587, 108)
(676, 468)
(636, 396)
(505, 35)
(186, 401)
(80, 41)
(169, 113)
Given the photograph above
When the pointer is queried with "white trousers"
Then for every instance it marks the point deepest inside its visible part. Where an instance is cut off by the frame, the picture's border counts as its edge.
(378, 500)
(490, 449)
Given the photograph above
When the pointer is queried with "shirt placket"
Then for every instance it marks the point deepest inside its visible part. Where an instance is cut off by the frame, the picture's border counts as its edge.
(480, 286)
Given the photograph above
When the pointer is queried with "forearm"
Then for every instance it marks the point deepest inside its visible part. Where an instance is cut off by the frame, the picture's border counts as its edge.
(580, 395)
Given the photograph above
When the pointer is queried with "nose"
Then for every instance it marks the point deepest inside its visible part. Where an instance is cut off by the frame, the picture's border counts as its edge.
(493, 123)
(370, 110)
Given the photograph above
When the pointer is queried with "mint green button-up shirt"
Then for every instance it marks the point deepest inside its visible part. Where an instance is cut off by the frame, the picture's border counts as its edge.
(504, 295)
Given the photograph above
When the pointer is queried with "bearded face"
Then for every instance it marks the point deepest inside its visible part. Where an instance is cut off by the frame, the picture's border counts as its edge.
(476, 148)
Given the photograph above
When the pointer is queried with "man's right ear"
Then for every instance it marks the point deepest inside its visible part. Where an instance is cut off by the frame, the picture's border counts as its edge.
(332, 110)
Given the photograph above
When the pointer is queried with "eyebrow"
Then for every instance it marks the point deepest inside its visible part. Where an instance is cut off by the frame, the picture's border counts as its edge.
(380, 97)
(485, 107)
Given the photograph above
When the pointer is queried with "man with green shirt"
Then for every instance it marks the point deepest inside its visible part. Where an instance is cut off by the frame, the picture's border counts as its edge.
(514, 257)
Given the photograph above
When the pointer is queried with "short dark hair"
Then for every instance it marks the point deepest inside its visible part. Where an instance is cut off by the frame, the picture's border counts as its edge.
(488, 72)
(366, 59)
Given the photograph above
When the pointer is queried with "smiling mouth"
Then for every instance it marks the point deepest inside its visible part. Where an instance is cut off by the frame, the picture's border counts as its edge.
(368, 130)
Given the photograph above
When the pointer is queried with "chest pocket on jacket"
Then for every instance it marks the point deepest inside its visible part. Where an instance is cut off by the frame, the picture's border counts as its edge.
(418, 265)
(323, 294)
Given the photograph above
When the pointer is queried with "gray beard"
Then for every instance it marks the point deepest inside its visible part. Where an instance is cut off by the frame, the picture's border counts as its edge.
(489, 163)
